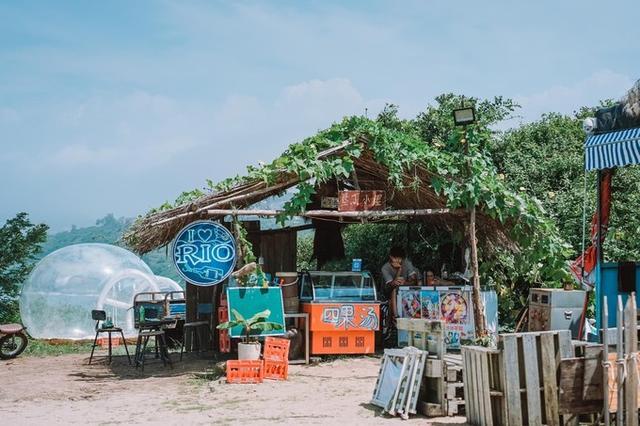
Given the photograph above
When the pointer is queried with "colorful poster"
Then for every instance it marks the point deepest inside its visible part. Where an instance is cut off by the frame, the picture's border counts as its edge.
(410, 303)
(430, 304)
(450, 304)
(454, 307)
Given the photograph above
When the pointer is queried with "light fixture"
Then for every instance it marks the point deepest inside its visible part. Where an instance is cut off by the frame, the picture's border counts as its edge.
(590, 125)
(464, 116)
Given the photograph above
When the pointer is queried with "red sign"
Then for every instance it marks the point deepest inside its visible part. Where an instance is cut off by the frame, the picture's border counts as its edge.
(343, 316)
(349, 201)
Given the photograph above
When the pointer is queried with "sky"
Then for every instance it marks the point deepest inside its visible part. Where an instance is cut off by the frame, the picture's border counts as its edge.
(118, 106)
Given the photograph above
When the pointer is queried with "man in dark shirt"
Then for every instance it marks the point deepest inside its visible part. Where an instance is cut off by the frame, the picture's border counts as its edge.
(398, 271)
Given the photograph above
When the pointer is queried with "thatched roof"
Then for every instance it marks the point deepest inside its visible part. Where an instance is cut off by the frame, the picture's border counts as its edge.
(158, 229)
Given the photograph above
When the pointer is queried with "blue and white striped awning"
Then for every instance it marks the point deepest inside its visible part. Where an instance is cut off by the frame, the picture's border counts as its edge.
(613, 149)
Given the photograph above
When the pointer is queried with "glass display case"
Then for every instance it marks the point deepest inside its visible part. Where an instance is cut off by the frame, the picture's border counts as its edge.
(325, 286)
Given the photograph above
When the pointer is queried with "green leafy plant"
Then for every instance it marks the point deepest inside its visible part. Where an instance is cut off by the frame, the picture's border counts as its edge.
(20, 242)
(257, 323)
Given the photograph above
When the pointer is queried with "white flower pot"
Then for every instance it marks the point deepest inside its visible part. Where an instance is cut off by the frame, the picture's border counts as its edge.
(249, 351)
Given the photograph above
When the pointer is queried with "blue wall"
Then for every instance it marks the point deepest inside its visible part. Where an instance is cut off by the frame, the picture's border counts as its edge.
(607, 285)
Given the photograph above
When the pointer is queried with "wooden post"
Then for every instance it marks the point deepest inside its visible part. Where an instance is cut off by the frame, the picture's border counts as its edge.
(478, 306)
(620, 364)
(631, 351)
(605, 361)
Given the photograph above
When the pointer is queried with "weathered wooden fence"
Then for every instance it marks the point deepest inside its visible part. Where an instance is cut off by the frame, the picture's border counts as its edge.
(516, 384)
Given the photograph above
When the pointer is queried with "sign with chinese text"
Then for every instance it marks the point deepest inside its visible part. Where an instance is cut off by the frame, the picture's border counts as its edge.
(204, 253)
(361, 200)
(344, 316)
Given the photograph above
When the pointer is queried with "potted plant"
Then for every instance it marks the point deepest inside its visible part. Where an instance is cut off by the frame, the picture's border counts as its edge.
(250, 347)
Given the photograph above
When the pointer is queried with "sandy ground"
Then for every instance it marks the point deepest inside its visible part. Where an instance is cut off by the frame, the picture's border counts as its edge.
(65, 390)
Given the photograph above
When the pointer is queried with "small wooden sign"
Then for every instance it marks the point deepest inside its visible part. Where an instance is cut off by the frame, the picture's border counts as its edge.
(349, 201)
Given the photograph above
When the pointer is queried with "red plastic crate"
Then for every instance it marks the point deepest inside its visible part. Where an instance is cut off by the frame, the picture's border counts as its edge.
(276, 370)
(104, 341)
(276, 349)
(224, 342)
(245, 371)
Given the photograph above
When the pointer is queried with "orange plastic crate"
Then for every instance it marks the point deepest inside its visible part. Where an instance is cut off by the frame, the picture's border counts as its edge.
(224, 342)
(104, 342)
(245, 371)
(276, 349)
(276, 370)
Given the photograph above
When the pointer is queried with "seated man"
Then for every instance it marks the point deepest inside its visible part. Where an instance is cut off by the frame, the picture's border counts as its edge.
(398, 271)
(431, 279)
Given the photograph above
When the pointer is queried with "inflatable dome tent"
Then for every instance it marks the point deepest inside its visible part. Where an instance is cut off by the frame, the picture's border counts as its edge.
(64, 287)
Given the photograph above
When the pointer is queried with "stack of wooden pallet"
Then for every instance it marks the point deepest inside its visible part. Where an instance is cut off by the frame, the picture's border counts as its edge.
(398, 385)
(517, 383)
(442, 392)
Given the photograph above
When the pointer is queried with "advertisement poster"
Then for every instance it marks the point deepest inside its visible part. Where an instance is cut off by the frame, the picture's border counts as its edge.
(450, 304)
(410, 303)
(430, 304)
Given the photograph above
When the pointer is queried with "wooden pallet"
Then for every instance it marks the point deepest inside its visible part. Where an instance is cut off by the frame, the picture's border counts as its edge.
(442, 389)
(399, 392)
(424, 334)
(517, 384)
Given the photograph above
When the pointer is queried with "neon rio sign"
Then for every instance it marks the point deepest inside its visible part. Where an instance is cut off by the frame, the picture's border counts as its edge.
(204, 253)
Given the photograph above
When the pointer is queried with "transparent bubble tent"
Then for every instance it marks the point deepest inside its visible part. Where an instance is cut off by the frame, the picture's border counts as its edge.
(64, 287)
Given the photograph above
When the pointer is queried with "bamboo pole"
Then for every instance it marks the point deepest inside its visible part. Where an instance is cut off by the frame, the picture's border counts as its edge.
(337, 214)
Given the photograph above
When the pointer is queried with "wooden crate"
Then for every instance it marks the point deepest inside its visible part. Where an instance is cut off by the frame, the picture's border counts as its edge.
(424, 334)
(442, 388)
(517, 384)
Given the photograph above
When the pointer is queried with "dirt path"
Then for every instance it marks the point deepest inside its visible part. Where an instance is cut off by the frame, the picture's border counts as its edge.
(65, 390)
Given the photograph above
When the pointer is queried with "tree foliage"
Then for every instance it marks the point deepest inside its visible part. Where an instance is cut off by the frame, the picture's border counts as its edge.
(20, 241)
(546, 160)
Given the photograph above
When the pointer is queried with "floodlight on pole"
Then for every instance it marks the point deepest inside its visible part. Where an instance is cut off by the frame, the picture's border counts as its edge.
(464, 116)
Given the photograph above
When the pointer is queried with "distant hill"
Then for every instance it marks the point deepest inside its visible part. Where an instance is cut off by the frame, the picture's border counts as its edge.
(108, 230)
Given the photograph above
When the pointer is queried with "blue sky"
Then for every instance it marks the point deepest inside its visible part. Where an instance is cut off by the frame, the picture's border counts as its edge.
(117, 106)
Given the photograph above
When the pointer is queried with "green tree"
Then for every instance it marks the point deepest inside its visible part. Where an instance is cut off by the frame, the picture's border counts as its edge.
(20, 242)
(546, 159)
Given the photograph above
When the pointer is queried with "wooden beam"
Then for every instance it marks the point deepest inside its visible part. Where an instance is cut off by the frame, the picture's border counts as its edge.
(380, 213)
(371, 214)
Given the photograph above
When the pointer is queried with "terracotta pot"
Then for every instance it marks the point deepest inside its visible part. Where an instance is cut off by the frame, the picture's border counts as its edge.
(249, 351)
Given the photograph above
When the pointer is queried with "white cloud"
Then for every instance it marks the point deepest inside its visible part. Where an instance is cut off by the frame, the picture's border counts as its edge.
(265, 128)
(603, 84)
(137, 131)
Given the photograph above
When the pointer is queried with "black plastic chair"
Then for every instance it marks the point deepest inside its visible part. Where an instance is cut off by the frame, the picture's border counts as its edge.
(99, 316)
